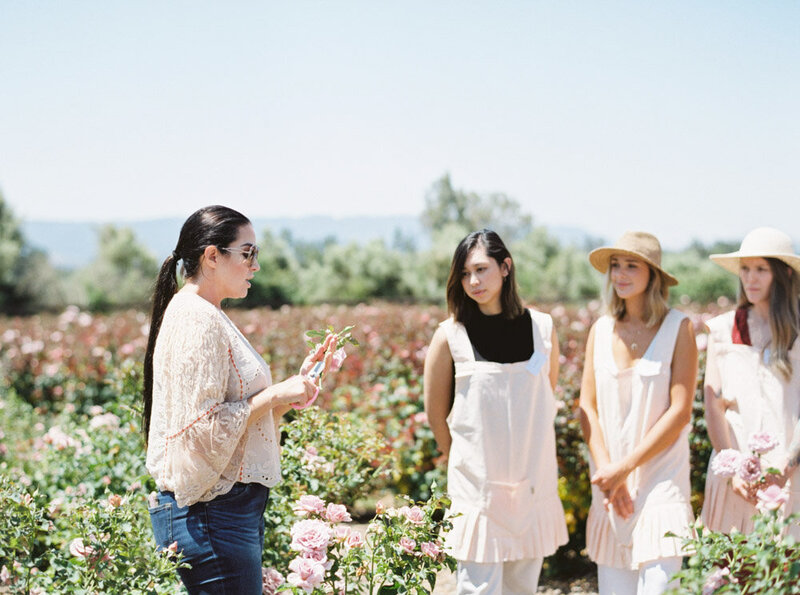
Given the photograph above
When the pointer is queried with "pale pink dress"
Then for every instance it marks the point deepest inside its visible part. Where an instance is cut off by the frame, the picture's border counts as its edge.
(502, 473)
(758, 400)
(629, 403)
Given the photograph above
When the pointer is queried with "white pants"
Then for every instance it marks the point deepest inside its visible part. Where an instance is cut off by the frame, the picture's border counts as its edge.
(520, 577)
(651, 578)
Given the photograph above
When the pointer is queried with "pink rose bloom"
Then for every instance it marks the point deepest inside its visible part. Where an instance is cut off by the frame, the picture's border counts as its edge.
(431, 549)
(355, 539)
(5, 576)
(408, 545)
(271, 580)
(106, 420)
(762, 442)
(715, 580)
(341, 533)
(750, 468)
(306, 574)
(337, 359)
(414, 515)
(115, 500)
(337, 513)
(726, 462)
(310, 535)
(77, 549)
(771, 498)
(307, 505)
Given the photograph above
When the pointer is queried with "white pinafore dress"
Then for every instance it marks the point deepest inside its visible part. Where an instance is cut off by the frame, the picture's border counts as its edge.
(758, 400)
(629, 403)
(502, 473)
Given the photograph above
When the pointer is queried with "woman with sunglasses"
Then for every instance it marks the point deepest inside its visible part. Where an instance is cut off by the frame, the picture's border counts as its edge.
(211, 411)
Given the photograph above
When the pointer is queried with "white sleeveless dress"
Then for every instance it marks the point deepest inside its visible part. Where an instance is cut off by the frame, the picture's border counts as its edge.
(660, 487)
(758, 400)
(502, 474)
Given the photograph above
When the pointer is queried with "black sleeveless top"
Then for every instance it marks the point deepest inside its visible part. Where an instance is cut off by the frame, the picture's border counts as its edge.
(499, 339)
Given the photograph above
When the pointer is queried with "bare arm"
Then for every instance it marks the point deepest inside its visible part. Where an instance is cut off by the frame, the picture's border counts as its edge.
(587, 408)
(666, 430)
(793, 452)
(555, 355)
(620, 498)
(715, 406)
(438, 386)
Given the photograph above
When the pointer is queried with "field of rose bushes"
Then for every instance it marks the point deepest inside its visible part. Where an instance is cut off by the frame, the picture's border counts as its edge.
(73, 488)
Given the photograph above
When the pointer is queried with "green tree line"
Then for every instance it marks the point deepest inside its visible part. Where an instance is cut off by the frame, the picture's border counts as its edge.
(301, 272)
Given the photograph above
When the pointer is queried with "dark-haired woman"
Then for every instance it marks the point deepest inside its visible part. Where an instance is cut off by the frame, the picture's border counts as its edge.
(489, 378)
(211, 410)
(752, 382)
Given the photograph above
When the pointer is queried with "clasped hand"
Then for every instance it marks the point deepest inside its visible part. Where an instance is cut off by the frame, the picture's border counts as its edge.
(610, 479)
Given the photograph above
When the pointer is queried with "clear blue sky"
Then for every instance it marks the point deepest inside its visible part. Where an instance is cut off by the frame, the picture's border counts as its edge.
(680, 118)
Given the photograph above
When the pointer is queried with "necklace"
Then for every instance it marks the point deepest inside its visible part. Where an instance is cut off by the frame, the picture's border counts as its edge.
(632, 337)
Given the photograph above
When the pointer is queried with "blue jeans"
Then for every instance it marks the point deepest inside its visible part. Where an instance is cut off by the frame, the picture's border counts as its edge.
(222, 539)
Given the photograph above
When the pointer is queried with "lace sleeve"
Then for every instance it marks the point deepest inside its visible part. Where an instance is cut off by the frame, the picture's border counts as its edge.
(205, 429)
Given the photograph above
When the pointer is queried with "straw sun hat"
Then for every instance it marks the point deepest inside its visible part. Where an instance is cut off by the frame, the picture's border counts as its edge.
(632, 243)
(762, 242)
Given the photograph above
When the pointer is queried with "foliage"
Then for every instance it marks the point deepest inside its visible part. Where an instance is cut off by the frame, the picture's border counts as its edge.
(123, 273)
(548, 272)
(700, 279)
(28, 282)
(469, 211)
(401, 550)
(764, 561)
(69, 369)
(276, 283)
(336, 457)
(350, 273)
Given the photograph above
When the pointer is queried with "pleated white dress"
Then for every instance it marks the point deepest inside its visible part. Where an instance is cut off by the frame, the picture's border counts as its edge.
(758, 400)
(502, 474)
(629, 403)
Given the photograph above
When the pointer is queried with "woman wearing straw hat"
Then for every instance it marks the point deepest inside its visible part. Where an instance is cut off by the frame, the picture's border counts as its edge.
(752, 382)
(636, 402)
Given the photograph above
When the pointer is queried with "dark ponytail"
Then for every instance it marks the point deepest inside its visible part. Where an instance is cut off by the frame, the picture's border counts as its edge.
(210, 226)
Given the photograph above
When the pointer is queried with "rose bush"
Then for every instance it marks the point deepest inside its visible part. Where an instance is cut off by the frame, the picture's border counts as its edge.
(69, 414)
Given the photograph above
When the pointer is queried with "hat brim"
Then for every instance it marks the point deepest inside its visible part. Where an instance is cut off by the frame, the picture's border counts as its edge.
(730, 261)
(601, 257)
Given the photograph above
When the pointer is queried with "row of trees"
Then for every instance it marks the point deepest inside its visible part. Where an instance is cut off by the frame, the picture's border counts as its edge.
(297, 272)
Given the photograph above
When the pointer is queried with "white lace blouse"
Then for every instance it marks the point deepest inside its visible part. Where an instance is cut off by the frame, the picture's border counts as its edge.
(203, 372)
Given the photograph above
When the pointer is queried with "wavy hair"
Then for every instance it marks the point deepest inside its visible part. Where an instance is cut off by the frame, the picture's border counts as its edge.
(784, 313)
(655, 298)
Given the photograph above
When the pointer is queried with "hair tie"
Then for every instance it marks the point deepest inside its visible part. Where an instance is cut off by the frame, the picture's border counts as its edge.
(175, 256)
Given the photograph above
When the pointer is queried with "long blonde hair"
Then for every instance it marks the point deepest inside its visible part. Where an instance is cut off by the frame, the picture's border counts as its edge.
(655, 299)
(784, 313)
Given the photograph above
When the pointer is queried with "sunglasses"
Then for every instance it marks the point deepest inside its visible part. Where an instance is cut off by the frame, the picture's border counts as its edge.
(250, 254)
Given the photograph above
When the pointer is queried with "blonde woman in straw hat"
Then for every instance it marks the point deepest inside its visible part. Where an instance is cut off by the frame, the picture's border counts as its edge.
(636, 401)
(752, 382)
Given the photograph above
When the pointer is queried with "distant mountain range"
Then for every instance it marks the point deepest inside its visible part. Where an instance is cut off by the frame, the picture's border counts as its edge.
(74, 244)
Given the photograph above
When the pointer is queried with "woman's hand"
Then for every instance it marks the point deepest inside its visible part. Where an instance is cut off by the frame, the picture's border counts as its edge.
(610, 476)
(323, 352)
(296, 390)
(744, 489)
(621, 501)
